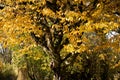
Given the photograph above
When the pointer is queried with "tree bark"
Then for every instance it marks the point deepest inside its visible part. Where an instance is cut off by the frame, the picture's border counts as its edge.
(57, 70)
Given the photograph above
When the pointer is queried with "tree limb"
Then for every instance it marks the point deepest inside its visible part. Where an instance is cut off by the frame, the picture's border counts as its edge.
(66, 57)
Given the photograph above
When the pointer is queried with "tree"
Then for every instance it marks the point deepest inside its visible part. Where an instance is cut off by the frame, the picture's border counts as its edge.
(59, 27)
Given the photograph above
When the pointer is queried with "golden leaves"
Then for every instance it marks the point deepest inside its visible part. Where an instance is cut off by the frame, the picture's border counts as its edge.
(72, 16)
(69, 48)
(82, 48)
(105, 26)
(16, 26)
(48, 12)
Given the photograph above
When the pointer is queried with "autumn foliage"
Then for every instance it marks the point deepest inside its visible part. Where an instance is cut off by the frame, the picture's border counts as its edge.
(68, 37)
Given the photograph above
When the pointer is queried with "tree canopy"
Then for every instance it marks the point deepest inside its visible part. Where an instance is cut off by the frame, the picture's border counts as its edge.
(70, 32)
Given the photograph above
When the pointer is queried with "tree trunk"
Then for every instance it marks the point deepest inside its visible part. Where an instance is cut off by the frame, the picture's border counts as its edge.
(56, 68)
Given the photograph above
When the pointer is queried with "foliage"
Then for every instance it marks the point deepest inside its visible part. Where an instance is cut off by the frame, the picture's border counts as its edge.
(7, 72)
(71, 33)
(35, 61)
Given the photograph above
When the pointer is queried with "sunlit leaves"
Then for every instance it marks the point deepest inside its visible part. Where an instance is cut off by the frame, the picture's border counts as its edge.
(72, 16)
(48, 12)
(69, 48)
(17, 26)
(78, 26)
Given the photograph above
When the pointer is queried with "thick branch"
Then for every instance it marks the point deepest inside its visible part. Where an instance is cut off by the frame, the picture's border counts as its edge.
(63, 42)
(73, 58)
(39, 43)
(48, 39)
(66, 57)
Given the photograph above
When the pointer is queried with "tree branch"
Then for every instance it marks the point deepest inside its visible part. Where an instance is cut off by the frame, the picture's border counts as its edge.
(73, 58)
(66, 57)
(39, 43)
